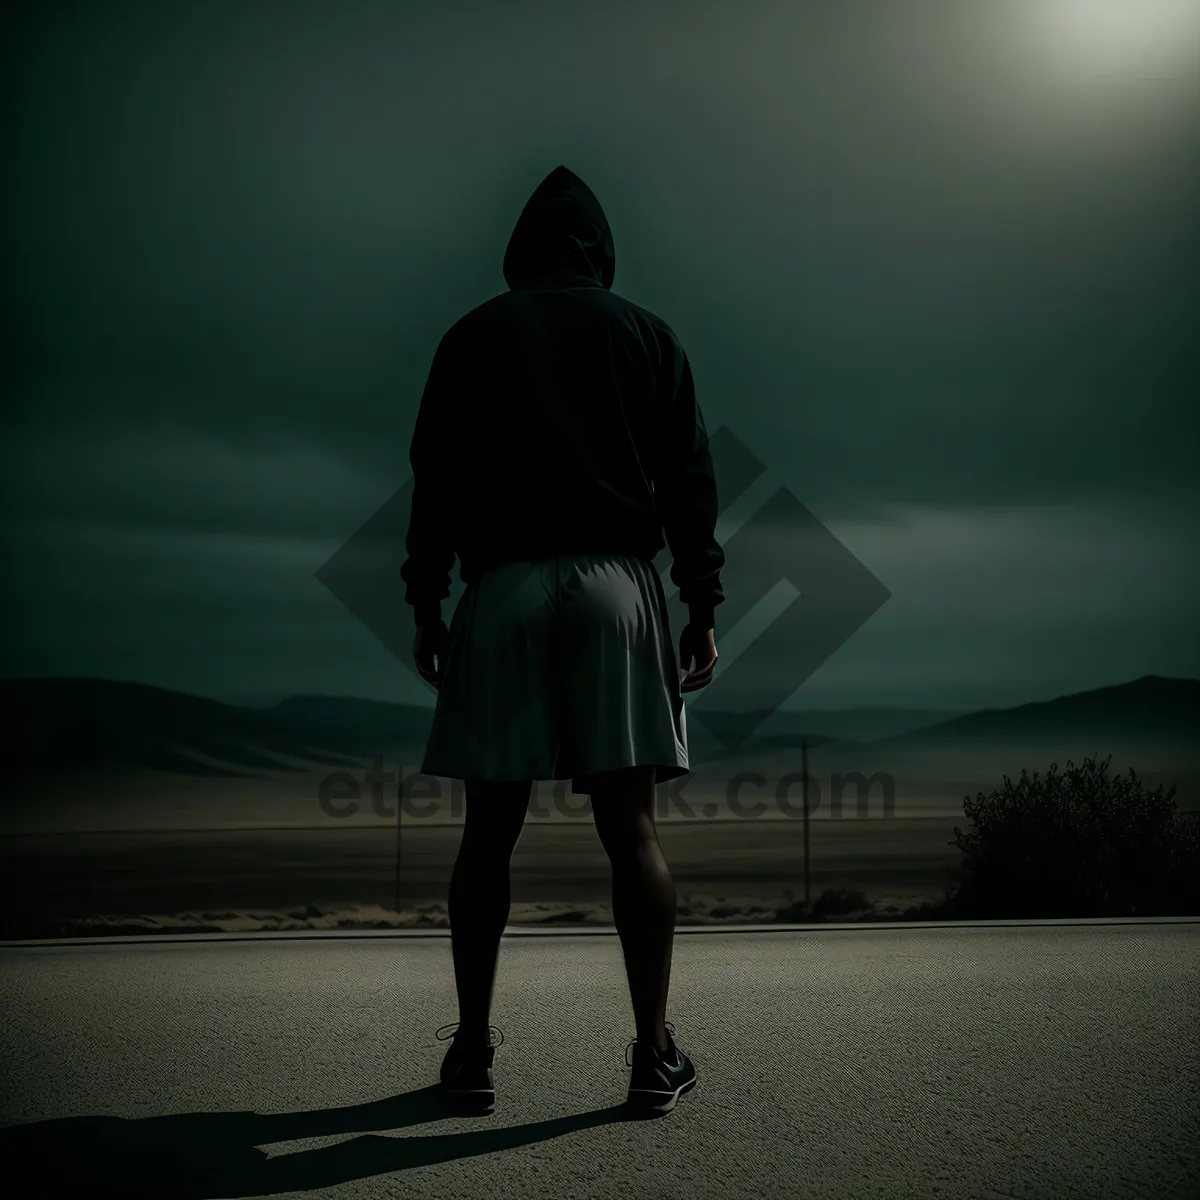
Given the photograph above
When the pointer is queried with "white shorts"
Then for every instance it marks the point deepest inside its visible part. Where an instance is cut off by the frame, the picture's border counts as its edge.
(559, 668)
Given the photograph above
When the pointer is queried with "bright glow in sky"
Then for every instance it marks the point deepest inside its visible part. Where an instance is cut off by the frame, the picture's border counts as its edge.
(931, 258)
(1099, 44)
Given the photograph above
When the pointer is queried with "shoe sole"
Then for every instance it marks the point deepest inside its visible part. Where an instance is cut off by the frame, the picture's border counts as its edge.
(646, 1100)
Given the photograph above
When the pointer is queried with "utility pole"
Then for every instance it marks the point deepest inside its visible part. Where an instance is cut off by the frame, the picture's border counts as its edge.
(400, 808)
(807, 880)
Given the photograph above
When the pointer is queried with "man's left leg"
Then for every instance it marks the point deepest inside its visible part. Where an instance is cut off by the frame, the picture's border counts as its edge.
(480, 896)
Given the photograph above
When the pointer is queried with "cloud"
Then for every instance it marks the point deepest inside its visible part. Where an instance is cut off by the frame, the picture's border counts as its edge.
(960, 330)
(1005, 606)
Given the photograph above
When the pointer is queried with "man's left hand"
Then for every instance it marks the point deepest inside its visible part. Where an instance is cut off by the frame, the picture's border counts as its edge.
(429, 650)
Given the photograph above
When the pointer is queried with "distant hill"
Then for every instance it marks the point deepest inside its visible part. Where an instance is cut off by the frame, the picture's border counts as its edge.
(1154, 706)
(723, 736)
(787, 727)
(350, 720)
(255, 700)
(95, 723)
(85, 722)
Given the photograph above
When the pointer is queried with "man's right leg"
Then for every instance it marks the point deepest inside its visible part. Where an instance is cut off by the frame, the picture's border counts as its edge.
(643, 892)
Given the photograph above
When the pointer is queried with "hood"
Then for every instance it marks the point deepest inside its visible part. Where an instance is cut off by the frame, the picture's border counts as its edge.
(561, 228)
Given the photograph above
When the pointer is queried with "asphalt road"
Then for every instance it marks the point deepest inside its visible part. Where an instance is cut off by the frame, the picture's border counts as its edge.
(1038, 1060)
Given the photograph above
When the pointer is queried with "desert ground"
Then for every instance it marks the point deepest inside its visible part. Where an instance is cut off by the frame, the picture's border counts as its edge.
(736, 863)
(309, 845)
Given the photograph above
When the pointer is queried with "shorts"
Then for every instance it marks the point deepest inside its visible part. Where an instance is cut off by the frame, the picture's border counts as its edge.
(559, 668)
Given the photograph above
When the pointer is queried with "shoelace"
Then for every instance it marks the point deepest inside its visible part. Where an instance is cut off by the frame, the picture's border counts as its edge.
(628, 1062)
(492, 1029)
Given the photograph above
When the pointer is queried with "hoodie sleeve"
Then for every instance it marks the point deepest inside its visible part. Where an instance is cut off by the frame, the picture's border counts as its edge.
(686, 491)
(426, 571)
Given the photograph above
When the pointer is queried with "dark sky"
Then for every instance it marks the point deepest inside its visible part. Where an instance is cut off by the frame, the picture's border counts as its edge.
(936, 267)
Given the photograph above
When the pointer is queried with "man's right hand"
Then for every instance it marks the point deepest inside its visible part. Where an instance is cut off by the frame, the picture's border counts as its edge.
(697, 656)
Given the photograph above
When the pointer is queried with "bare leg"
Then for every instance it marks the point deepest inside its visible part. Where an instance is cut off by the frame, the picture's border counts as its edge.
(643, 892)
(480, 896)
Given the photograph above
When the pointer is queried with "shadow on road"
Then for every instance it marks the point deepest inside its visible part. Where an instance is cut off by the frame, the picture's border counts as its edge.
(203, 1156)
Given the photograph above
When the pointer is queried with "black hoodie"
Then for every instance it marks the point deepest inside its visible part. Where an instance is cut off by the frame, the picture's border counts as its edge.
(560, 418)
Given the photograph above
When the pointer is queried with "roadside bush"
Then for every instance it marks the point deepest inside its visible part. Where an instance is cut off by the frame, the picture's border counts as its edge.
(1079, 843)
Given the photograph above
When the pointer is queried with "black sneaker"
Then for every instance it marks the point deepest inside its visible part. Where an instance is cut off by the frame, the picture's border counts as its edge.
(467, 1071)
(658, 1079)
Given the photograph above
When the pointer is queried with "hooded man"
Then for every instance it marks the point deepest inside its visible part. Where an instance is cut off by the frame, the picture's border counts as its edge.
(558, 447)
